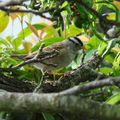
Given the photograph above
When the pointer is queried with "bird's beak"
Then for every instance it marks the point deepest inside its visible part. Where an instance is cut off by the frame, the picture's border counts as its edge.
(82, 47)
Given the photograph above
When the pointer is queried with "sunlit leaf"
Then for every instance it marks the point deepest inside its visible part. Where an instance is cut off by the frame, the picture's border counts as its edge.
(45, 29)
(64, 4)
(102, 48)
(4, 20)
(27, 47)
(13, 16)
(116, 65)
(117, 3)
(73, 30)
(83, 38)
(108, 4)
(111, 16)
(16, 14)
(110, 45)
(15, 41)
(5, 42)
(105, 70)
(116, 49)
(113, 99)
(94, 41)
(34, 30)
(47, 42)
(39, 26)
(110, 57)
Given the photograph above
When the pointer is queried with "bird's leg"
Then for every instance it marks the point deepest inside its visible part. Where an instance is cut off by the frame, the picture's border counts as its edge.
(61, 74)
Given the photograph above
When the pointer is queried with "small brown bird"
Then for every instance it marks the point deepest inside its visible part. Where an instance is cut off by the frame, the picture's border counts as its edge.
(67, 52)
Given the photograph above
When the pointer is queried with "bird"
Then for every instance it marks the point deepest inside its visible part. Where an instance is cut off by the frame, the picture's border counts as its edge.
(67, 48)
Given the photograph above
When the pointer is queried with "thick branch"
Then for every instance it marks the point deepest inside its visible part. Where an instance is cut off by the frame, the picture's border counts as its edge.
(29, 102)
(12, 84)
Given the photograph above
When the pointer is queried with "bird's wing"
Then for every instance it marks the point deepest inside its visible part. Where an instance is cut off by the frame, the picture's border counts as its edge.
(55, 46)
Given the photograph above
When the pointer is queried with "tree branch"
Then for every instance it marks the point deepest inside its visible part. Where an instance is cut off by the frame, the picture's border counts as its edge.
(40, 13)
(12, 84)
(11, 2)
(83, 73)
(92, 85)
(33, 102)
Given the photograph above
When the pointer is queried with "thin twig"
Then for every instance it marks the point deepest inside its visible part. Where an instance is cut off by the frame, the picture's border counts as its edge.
(40, 57)
(40, 13)
(93, 94)
(40, 84)
(92, 85)
(11, 2)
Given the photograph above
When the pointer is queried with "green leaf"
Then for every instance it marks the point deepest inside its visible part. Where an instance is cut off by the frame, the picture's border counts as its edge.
(39, 26)
(4, 19)
(116, 65)
(113, 99)
(113, 7)
(48, 116)
(6, 61)
(110, 57)
(94, 41)
(110, 45)
(102, 48)
(105, 70)
(64, 4)
(47, 42)
(73, 30)
(108, 4)
(5, 42)
(89, 52)
(15, 41)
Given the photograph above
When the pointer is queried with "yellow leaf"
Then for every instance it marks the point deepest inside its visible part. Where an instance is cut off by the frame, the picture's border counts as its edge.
(4, 19)
(111, 16)
(33, 41)
(29, 68)
(83, 38)
(13, 16)
(47, 36)
(117, 3)
(116, 49)
(45, 29)
(34, 30)
(27, 47)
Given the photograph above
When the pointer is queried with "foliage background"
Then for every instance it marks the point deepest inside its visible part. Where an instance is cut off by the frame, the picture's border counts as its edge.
(63, 19)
